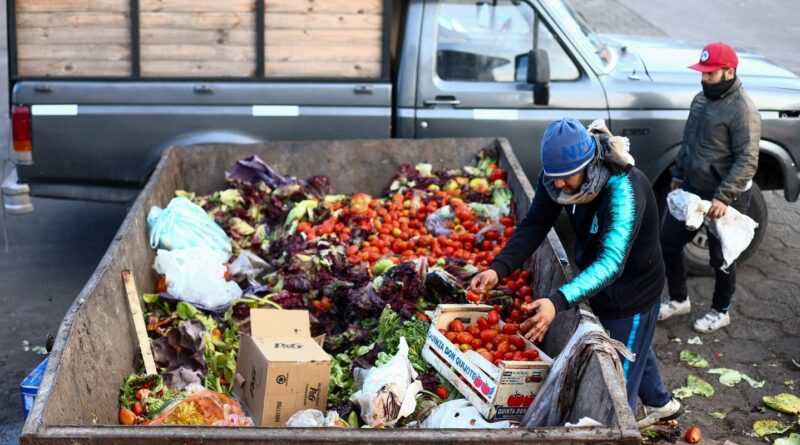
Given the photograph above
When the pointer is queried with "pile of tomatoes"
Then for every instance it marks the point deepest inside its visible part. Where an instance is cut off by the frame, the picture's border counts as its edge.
(394, 228)
(488, 338)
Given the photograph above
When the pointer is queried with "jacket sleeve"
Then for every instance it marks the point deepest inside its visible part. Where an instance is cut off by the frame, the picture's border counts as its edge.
(619, 223)
(678, 170)
(745, 133)
(529, 233)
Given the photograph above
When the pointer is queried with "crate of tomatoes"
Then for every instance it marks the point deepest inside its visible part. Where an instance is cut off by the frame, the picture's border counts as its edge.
(488, 361)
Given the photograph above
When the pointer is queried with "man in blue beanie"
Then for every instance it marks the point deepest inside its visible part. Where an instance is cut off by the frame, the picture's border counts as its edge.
(614, 217)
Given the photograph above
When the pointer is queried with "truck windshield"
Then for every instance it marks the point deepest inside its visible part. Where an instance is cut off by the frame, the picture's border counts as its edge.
(580, 31)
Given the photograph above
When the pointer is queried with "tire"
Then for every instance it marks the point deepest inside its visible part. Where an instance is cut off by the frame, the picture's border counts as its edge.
(696, 251)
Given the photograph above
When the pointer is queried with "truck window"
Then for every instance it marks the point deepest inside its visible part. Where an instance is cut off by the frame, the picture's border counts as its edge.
(480, 41)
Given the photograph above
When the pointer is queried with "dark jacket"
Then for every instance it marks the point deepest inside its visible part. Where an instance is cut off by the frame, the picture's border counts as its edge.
(720, 144)
(616, 246)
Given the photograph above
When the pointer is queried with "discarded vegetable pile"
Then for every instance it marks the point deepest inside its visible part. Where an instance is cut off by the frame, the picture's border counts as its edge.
(366, 268)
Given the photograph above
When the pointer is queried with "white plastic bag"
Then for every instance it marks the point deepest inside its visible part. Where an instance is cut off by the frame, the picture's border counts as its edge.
(197, 276)
(389, 392)
(688, 207)
(315, 418)
(459, 413)
(184, 224)
(734, 230)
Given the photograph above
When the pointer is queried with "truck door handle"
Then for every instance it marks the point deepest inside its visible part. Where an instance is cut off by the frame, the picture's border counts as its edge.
(42, 88)
(441, 100)
(203, 89)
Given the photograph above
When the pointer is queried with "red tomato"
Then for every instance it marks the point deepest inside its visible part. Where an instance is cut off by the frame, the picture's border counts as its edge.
(488, 356)
(517, 341)
(476, 343)
(486, 245)
(497, 355)
(510, 328)
(508, 231)
(492, 235)
(472, 296)
(464, 338)
(483, 323)
(451, 336)
(693, 435)
(507, 221)
(456, 326)
(516, 315)
(524, 291)
(525, 275)
(498, 173)
(493, 317)
(531, 354)
(502, 347)
(442, 392)
(488, 335)
(137, 408)
(474, 330)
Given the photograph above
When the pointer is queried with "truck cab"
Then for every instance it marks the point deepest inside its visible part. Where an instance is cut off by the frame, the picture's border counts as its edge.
(256, 70)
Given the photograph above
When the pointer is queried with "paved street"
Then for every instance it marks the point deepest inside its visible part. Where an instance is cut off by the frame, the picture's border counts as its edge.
(54, 251)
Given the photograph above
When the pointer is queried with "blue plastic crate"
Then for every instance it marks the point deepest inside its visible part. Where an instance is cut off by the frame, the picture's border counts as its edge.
(30, 386)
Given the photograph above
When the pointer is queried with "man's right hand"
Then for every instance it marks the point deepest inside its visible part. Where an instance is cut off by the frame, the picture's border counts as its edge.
(674, 186)
(484, 281)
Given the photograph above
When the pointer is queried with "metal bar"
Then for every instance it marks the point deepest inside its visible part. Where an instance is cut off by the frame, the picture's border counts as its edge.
(136, 69)
(386, 69)
(260, 42)
(11, 29)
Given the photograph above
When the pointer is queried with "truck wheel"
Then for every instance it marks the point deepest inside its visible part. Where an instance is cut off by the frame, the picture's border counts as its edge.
(696, 251)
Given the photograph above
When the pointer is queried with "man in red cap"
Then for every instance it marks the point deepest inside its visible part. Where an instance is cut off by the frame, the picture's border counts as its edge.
(716, 161)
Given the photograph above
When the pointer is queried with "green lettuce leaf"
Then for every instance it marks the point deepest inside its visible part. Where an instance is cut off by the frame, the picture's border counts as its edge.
(767, 427)
(785, 403)
(793, 439)
(693, 359)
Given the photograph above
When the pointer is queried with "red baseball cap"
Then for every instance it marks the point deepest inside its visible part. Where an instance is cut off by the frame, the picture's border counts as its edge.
(715, 56)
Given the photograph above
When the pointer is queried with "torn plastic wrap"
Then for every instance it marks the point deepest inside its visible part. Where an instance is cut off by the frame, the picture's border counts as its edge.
(389, 391)
(203, 408)
(553, 404)
(459, 413)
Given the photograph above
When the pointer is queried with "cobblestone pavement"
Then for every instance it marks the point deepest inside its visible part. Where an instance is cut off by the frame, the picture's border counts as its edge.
(764, 335)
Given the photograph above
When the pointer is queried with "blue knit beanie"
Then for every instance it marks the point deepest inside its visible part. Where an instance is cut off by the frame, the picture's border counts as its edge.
(567, 148)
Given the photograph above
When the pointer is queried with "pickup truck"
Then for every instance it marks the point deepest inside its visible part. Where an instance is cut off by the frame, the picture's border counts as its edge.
(99, 90)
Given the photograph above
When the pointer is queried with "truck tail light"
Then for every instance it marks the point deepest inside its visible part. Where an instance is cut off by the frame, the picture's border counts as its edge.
(21, 132)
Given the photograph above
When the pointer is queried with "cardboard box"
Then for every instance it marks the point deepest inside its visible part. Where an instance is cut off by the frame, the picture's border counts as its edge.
(30, 386)
(281, 369)
(499, 393)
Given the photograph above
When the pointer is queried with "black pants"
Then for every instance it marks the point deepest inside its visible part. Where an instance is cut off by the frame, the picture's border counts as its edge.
(675, 235)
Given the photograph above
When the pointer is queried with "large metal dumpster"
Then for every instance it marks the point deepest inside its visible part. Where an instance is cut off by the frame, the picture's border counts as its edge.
(96, 345)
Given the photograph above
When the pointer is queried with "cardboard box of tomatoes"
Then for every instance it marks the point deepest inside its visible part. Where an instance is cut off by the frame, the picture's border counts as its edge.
(489, 362)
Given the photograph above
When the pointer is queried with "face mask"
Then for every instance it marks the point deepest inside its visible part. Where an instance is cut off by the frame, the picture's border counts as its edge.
(714, 91)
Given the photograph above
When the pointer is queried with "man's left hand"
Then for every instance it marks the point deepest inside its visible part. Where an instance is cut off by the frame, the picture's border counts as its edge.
(717, 210)
(536, 327)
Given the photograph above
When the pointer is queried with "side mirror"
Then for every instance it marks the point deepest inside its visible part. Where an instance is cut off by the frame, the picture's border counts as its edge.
(538, 67)
(539, 75)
